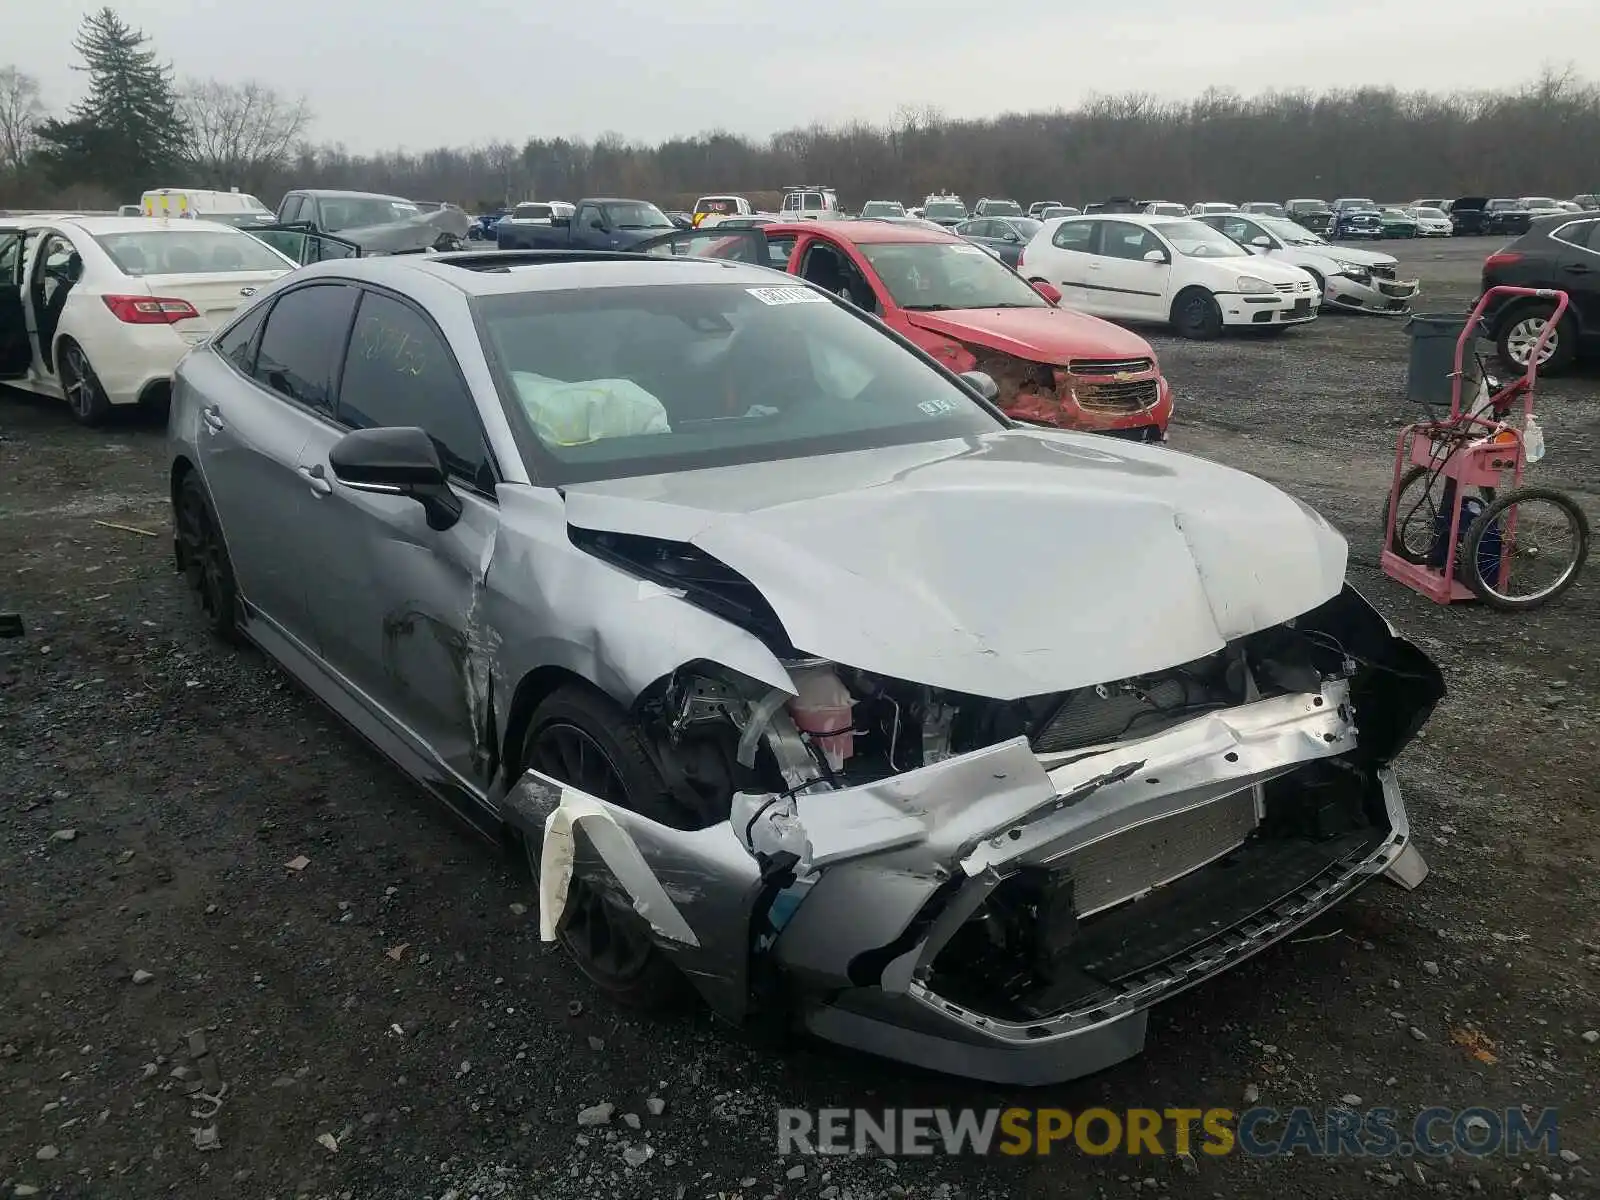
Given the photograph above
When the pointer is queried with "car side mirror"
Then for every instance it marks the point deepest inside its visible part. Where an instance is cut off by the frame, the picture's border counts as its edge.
(983, 383)
(1048, 290)
(1013, 237)
(560, 222)
(396, 461)
(1155, 256)
(1263, 241)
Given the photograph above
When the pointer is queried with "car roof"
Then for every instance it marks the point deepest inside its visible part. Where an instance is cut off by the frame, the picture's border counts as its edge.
(344, 194)
(501, 272)
(94, 226)
(866, 230)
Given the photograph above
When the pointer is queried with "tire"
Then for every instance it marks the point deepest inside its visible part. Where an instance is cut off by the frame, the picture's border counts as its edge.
(1406, 519)
(202, 555)
(1487, 590)
(643, 978)
(1523, 324)
(86, 399)
(1195, 314)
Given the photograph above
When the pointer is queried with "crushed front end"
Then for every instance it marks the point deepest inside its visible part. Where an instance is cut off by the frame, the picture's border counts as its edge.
(1001, 889)
(1127, 397)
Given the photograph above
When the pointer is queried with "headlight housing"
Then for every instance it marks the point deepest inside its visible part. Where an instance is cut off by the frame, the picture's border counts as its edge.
(1250, 285)
(1354, 271)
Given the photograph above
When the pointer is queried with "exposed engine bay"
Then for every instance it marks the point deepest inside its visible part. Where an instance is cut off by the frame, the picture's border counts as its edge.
(993, 886)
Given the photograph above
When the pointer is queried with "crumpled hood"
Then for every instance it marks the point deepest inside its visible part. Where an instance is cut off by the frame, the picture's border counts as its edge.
(1015, 564)
(414, 233)
(1343, 253)
(1050, 335)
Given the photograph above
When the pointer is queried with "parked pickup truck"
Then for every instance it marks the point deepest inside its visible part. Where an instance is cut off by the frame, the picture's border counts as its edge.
(600, 223)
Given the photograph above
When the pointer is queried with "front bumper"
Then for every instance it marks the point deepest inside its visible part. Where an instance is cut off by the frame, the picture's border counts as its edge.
(1178, 856)
(1391, 296)
(1276, 308)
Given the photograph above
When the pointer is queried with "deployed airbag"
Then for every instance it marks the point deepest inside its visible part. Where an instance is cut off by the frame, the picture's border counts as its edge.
(572, 414)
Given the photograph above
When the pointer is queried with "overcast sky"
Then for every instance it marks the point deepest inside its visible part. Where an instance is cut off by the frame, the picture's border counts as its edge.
(421, 73)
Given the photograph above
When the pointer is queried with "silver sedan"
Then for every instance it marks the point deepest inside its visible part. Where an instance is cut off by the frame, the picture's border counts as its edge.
(798, 673)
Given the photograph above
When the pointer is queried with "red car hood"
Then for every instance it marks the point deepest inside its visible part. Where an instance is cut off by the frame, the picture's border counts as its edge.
(1050, 335)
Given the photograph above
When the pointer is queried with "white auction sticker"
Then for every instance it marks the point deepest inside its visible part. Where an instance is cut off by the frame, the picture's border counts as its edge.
(787, 295)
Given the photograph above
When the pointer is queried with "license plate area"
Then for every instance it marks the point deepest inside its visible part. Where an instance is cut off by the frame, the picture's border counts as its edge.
(1301, 308)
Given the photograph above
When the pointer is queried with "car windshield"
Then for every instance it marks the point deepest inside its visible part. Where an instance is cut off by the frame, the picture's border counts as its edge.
(1059, 210)
(930, 276)
(1357, 204)
(637, 214)
(883, 208)
(1432, 214)
(1287, 231)
(1538, 202)
(723, 206)
(1196, 239)
(1168, 210)
(1394, 213)
(1002, 208)
(357, 212)
(615, 381)
(532, 212)
(1265, 209)
(949, 210)
(188, 252)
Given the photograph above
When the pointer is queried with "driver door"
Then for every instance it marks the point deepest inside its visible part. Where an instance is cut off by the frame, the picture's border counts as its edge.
(16, 348)
(740, 245)
(1131, 287)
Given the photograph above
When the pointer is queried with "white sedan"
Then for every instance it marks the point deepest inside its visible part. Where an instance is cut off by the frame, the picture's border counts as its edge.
(1171, 269)
(1351, 279)
(98, 310)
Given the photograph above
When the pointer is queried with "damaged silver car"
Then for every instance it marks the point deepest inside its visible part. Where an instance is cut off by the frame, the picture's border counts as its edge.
(799, 673)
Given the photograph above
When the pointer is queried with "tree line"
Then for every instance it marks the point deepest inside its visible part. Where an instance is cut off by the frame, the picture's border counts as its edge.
(139, 127)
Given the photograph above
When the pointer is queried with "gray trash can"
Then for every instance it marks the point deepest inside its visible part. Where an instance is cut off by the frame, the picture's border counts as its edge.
(1433, 358)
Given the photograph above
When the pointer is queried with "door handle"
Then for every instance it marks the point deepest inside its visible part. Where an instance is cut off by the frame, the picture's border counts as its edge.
(317, 478)
(1576, 269)
(212, 416)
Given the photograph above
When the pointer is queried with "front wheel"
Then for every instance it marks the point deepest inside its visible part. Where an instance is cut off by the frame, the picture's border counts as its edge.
(1525, 548)
(1196, 314)
(582, 738)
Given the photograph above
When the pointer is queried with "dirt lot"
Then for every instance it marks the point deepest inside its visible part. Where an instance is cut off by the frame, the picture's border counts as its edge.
(189, 776)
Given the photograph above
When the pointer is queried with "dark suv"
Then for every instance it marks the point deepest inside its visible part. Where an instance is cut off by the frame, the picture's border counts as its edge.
(1314, 215)
(1558, 252)
(1466, 215)
(1356, 218)
(1506, 216)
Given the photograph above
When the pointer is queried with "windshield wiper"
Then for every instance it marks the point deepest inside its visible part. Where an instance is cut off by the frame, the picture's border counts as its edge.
(928, 307)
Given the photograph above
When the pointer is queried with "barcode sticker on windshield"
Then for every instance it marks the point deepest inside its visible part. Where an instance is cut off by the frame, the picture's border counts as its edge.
(787, 295)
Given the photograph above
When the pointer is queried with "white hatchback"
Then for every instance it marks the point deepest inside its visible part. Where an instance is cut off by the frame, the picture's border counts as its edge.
(98, 310)
(1174, 270)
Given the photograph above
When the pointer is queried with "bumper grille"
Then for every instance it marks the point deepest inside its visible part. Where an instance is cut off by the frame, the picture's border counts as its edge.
(1134, 396)
(1120, 867)
(1400, 291)
(1090, 367)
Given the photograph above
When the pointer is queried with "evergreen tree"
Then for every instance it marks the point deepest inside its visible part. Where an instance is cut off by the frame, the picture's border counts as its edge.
(128, 133)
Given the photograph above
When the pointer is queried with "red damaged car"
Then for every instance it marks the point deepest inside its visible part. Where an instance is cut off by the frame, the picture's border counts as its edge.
(1052, 365)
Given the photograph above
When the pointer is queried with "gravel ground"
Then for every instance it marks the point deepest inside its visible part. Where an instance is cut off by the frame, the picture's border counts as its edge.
(387, 1024)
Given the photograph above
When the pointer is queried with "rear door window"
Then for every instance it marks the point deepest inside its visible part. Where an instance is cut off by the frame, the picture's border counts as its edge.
(1074, 235)
(1583, 234)
(303, 343)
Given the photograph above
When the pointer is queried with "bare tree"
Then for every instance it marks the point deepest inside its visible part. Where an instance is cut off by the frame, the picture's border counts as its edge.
(20, 110)
(241, 134)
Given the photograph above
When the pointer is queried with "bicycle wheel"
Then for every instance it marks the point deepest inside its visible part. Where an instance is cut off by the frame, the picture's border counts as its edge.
(1525, 549)
(1417, 515)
